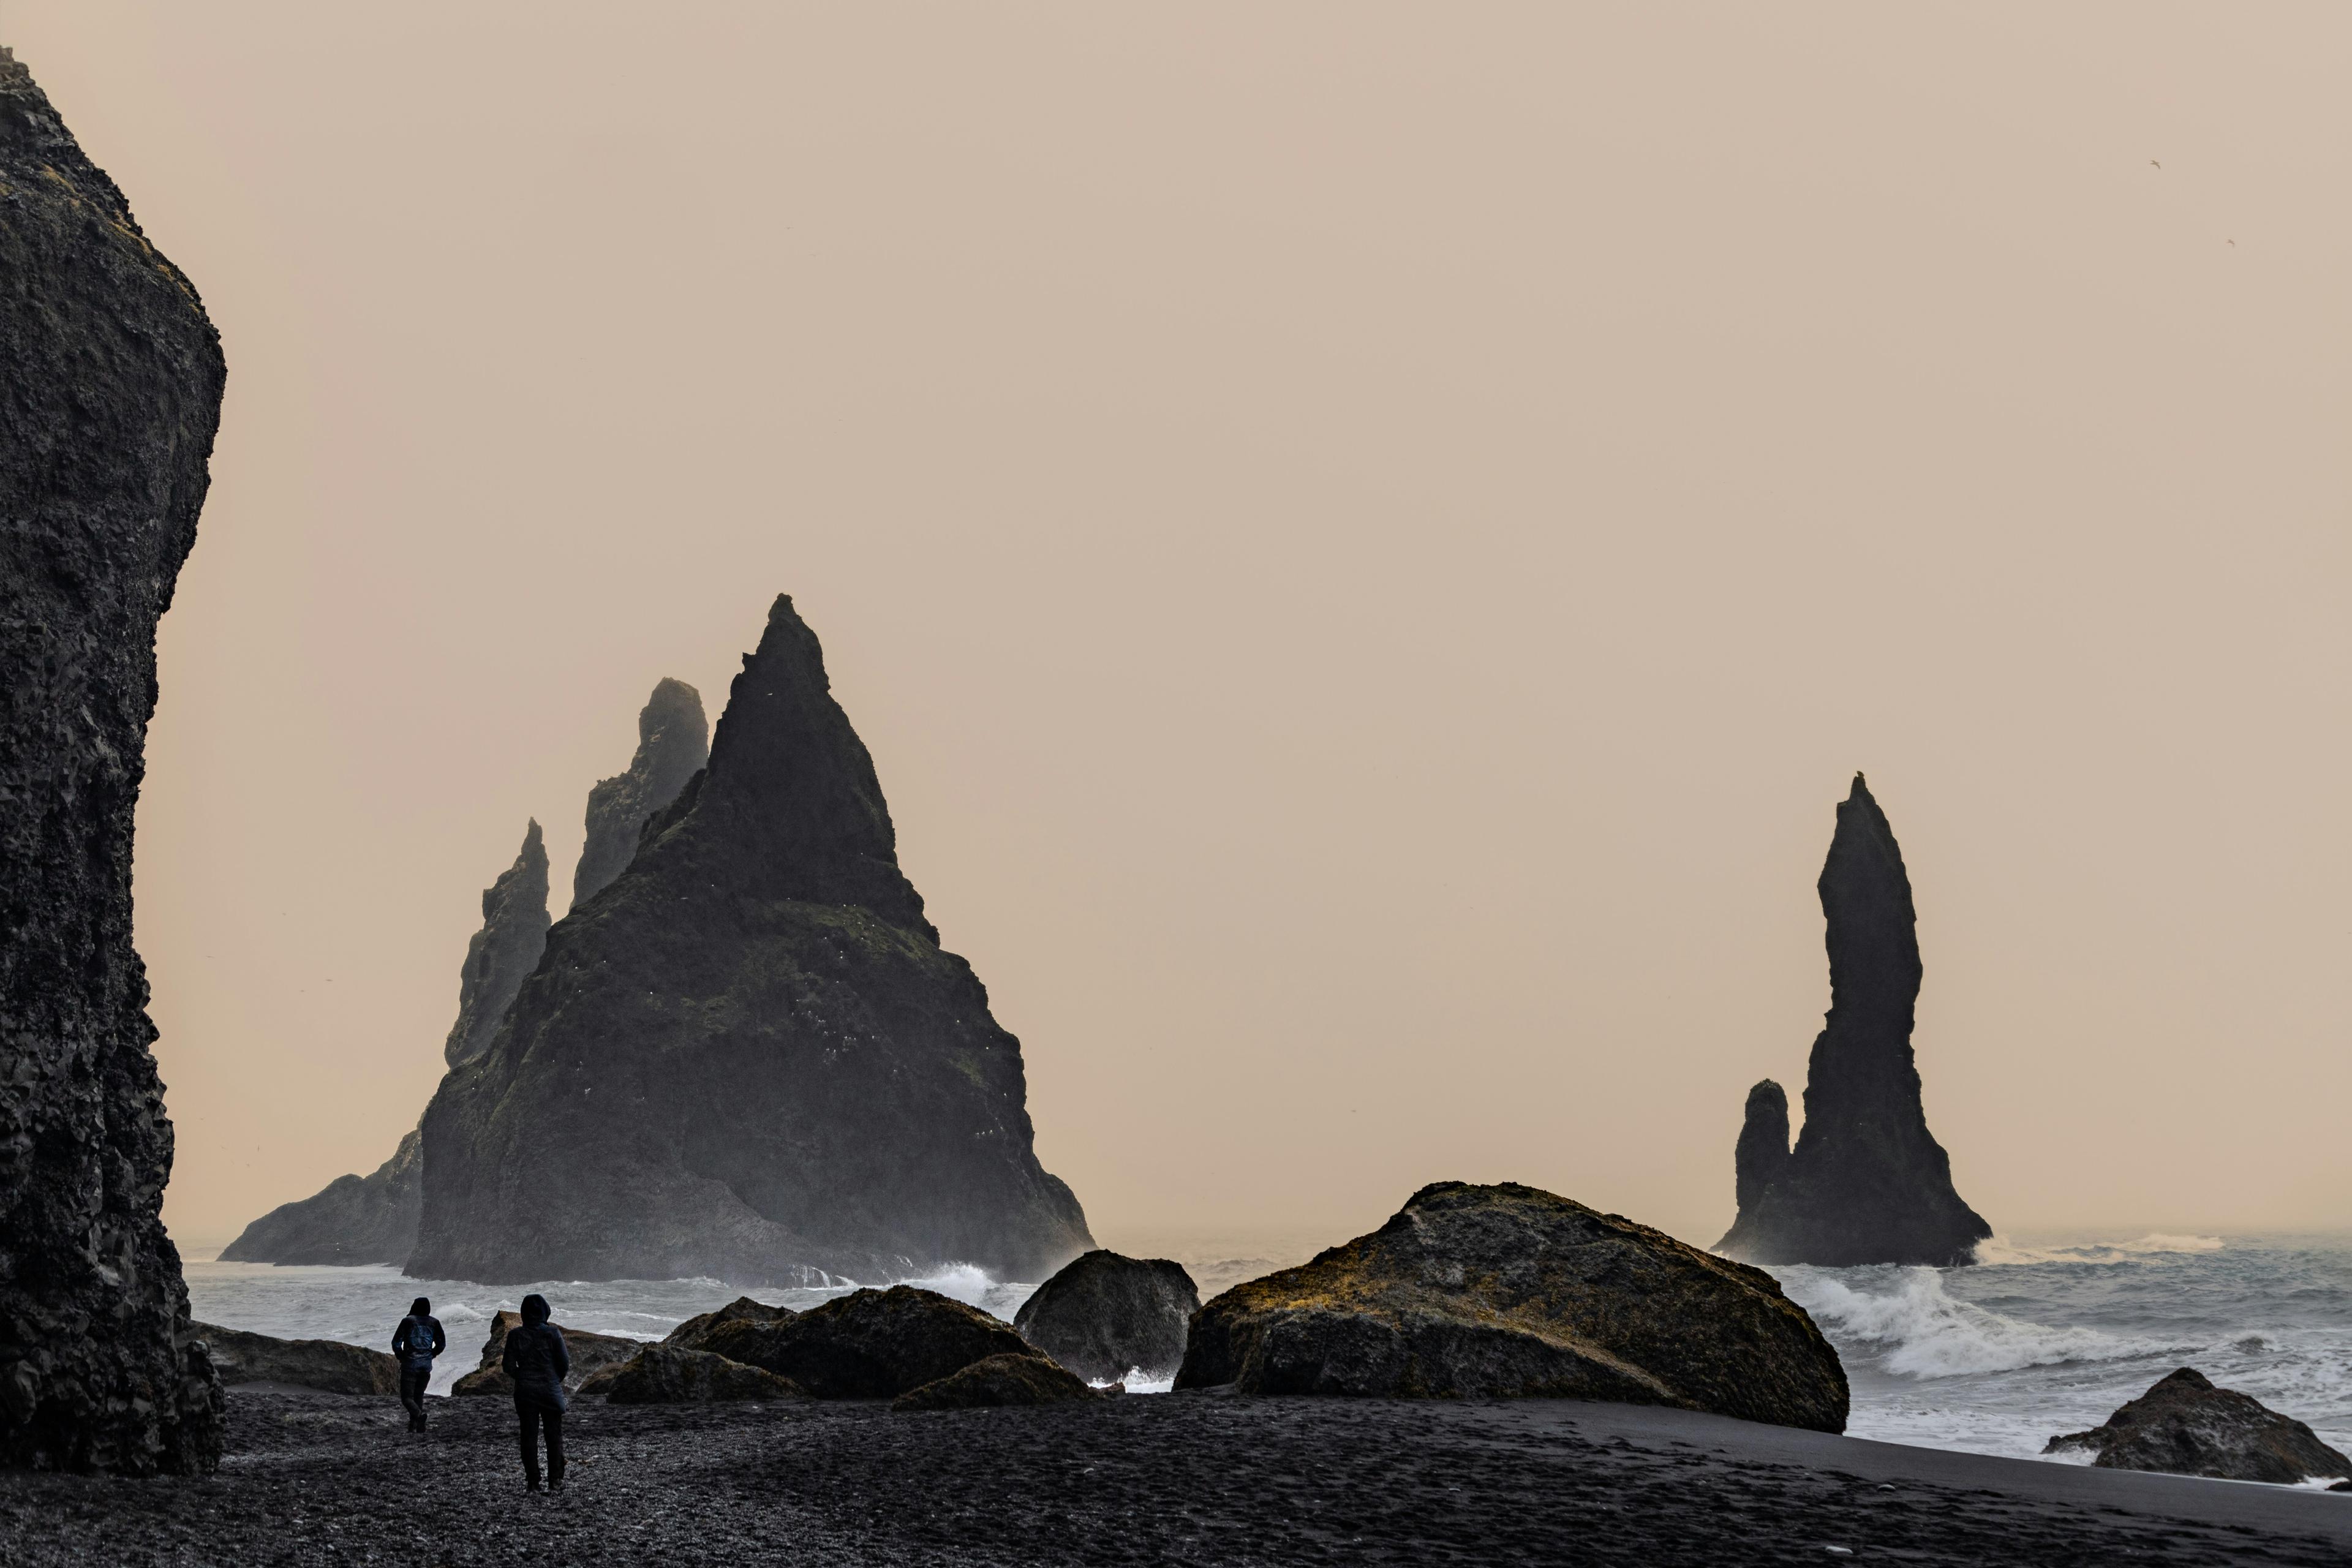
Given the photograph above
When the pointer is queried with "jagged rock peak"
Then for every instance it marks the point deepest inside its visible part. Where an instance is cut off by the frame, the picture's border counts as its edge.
(507, 948)
(791, 790)
(113, 390)
(748, 1056)
(673, 742)
(1866, 1183)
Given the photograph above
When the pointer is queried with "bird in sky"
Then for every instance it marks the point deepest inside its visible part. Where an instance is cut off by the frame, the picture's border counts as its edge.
(2154, 164)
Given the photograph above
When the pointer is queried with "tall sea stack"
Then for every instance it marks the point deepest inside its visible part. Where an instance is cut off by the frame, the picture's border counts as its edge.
(673, 742)
(114, 379)
(1867, 1182)
(748, 1057)
(374, 1218)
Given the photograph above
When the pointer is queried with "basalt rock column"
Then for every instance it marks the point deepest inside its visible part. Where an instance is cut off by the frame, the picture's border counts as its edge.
(112, 379)
(1867, 1182)
(673, 742)
(374, 1218)
(507, 948)
(749, 1056)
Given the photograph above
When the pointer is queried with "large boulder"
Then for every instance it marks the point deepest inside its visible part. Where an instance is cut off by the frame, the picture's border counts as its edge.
(999, 1380)
(1508, 1292)
(870, 1344)
(591, 1353)
(2186, 1426)
(327, 1365)
(695, 1332)
(668, 1374)
(748, 1058)
(112, 378)
(353, 1219)
(673, 742)
(1866, 1183)
(1105, 1316)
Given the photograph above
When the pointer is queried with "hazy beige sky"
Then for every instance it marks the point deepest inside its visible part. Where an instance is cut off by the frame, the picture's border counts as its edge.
(1365, 542)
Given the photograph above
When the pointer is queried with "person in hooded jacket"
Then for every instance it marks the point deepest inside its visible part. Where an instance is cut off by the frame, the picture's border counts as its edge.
(536, 1359)
(416, 1341)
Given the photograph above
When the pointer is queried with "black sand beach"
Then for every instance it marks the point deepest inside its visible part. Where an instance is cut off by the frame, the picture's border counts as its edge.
(1177, 1479)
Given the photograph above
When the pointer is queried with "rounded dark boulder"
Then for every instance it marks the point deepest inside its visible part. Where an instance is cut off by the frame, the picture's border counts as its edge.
(1506, 1291)
(666, 1374)
(2183, 1425)
(1105, 1316)
(1000, 1380)
(328, 1366)
(693, 1333)
(870, 1344)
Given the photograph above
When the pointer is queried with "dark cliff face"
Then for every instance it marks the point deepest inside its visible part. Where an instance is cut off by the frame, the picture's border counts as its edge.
(1867, 1182)
(353, 1219)
(673, 742)
(507, 948)
(111, 381)
(748, 1057)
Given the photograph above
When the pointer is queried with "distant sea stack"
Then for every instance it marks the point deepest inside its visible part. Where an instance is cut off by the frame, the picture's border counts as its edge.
(1867, 1182)
(113, 384)
(507, 948)
(673, 742)
(748, 1057)
(353, 1219)
(374, 1218)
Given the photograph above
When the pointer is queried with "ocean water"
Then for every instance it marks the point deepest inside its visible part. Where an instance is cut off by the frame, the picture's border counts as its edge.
(2043, 1335)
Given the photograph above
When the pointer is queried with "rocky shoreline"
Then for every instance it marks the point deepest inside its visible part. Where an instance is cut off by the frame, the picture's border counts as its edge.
(1207, 1477)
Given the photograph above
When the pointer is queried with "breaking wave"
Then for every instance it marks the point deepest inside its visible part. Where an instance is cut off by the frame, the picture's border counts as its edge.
(1915, 1328)
(1999, 1251)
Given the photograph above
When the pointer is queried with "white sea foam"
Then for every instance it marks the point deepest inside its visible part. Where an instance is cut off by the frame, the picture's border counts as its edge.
(1999, 1251)
(1916, 1328)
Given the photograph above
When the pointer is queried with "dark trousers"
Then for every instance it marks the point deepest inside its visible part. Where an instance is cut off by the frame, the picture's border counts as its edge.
(533, 1417)
(412, 1380)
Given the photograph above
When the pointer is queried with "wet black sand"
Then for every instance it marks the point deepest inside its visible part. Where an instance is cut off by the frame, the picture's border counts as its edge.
(1179, 1478)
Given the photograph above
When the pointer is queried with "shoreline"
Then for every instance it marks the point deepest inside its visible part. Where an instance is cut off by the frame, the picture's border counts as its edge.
(1202, 1478)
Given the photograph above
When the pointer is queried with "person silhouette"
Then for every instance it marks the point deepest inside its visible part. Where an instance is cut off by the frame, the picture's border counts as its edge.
(536, 1359)
(416, 1341)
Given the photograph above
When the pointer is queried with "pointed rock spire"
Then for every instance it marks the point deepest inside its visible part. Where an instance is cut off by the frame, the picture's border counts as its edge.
(748, 1058)
(507, 948)
(673, 742)
(1866, 1183)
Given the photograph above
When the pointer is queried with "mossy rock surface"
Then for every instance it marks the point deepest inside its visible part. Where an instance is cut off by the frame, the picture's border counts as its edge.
(328, 1365)
(693, 1333)
(870, 1344)
(1000, 1380)
(667, 1374)
(1507, 1291)
(589, 1354)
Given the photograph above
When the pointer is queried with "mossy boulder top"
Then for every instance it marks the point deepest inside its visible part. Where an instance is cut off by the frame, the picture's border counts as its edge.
(1507, 1291)
(869, 1344)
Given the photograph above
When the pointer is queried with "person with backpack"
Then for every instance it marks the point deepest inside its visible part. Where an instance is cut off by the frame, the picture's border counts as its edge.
(536, 1359)
(416, 1341)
